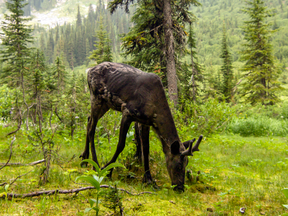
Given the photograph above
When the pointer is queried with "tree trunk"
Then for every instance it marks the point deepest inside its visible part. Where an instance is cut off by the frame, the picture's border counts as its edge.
(169, 42)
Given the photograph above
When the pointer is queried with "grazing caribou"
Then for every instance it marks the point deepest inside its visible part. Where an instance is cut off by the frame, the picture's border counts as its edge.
(141, 98)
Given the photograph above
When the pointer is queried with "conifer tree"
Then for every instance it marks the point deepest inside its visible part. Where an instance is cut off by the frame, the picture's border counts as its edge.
(50, 47)
(167, 10)
(261, 72)
(16, 38)
(78, 20)
(38, 69)
(196, 76)
(56, 83)
(102, 45)
(226, 69)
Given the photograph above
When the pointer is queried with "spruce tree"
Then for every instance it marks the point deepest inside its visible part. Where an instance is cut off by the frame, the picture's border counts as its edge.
(261, 72)
(226, 69)
(102, 45)
(16, 38)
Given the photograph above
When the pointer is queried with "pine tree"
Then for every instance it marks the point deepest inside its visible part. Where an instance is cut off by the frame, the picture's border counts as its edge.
(226, 69)
(261, 72)
(16, 39)
(102, 44)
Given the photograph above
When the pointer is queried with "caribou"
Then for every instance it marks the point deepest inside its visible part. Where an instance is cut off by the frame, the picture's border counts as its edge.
(141, 98)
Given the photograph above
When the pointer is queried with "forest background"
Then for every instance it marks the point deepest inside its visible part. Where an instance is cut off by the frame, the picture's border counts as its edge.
(53, 106)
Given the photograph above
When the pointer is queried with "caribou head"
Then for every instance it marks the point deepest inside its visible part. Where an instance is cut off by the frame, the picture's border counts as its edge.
(177, 161)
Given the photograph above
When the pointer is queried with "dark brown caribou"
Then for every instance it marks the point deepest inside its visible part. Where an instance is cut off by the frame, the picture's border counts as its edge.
(141, 98)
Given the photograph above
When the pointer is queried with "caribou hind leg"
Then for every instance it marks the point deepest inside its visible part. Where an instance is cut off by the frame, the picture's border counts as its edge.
(137, 137)
(145, 148)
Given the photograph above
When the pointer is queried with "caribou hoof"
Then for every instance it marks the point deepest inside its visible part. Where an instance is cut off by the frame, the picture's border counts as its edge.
(83, 156)
(84, 164)
(147, 179)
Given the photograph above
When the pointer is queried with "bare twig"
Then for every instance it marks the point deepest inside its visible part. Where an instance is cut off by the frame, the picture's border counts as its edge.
(77, 190)
(14, 138)
(14, 180)
(19, 177)
(29, 164)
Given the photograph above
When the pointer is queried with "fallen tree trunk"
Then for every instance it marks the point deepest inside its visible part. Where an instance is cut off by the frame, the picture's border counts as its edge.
(57, 191)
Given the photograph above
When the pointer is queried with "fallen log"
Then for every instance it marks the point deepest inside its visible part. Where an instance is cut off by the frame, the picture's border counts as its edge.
(57, 191)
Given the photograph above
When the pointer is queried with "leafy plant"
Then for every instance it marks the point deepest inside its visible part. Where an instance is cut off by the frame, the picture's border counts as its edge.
(113, 201)
(95, 178)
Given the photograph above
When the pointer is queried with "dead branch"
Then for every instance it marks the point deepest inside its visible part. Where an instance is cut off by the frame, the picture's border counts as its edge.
(29, 164)
(77, 190)
(14, 138)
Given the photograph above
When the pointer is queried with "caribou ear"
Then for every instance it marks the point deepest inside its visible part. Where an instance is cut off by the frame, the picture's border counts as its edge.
(175, 148)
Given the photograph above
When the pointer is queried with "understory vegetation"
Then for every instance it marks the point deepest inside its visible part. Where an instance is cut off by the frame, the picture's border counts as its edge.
(229, 172)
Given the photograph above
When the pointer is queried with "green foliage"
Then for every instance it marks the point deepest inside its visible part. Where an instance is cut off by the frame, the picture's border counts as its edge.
(261, 72)
(210, 117)
(95, 179)
(6, 102)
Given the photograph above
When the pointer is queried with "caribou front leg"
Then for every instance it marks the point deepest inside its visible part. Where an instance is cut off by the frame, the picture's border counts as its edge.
(125, 124)
(98, 109)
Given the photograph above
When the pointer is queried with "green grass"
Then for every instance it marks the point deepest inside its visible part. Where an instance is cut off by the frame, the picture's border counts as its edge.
(263, 126)
(235, 172)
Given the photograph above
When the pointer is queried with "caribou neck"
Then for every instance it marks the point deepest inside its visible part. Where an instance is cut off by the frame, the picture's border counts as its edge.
(165, 127)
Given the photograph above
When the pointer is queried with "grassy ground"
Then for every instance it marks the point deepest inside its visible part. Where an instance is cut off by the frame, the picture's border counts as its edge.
(235, 172)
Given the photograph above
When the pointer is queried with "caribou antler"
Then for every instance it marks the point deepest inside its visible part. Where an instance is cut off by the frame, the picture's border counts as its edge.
(191, 148)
